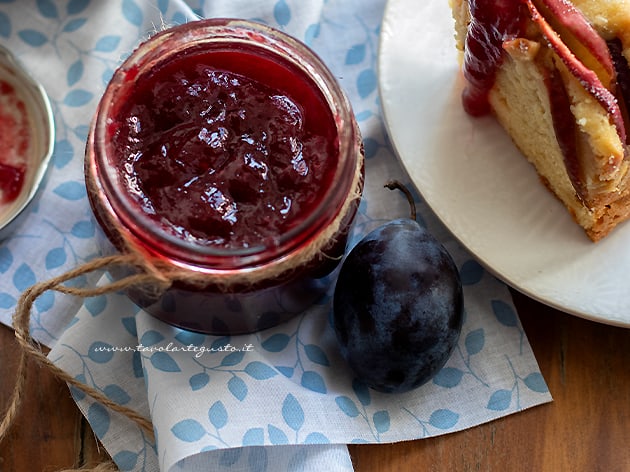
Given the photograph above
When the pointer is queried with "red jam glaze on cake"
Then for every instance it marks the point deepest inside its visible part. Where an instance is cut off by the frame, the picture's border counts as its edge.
(492, 22)
(225, 148)
(622, 69)
(14, 139)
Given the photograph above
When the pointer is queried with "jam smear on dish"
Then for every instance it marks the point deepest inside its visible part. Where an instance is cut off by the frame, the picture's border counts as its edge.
(14, 138)
(11, 182)
(225, 148)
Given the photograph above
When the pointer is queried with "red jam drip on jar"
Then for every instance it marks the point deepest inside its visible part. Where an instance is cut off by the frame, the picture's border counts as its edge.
(492, 22)
(14, 138)
(225, 148)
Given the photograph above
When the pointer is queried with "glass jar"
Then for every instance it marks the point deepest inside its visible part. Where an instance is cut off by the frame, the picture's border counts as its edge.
(178, 171)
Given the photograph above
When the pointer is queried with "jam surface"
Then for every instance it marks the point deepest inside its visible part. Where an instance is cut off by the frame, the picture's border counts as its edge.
(14, 138)
(224, 149)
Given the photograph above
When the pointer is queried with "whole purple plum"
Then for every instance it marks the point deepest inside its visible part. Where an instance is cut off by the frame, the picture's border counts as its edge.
(398, 307)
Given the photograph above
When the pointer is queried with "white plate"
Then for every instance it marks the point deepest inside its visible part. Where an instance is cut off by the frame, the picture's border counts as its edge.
(478, 184)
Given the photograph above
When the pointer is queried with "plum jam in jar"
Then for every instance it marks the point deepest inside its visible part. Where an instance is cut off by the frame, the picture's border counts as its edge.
(225, 155)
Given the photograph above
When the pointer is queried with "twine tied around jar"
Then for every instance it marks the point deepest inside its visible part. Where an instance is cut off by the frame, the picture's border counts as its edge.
(149, 277)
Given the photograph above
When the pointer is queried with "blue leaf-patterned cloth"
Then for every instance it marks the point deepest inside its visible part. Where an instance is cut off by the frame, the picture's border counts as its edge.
(277, 400)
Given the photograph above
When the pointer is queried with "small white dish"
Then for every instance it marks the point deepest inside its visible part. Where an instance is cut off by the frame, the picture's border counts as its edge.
(38, 152)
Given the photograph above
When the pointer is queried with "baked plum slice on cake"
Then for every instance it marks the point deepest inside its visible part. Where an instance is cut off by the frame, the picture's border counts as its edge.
(555, 74)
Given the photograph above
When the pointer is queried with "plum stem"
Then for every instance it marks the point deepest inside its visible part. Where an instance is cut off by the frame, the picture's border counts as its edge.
(395, 184)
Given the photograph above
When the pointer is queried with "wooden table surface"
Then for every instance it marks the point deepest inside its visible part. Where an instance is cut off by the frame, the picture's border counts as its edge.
(585, 429)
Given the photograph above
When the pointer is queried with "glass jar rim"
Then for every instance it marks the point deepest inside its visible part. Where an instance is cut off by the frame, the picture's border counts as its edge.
(255, 38)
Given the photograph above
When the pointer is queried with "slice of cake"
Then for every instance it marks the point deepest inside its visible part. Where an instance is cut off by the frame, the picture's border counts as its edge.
(556, 75)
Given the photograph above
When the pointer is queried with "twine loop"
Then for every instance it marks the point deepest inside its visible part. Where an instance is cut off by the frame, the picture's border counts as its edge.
(147, 274)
